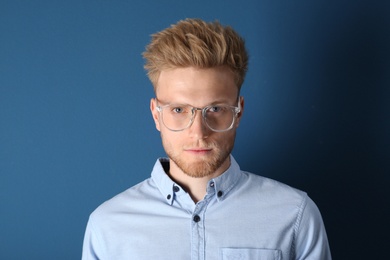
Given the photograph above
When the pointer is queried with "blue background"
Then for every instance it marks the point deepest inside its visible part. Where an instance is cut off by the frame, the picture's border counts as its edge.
(75, 127)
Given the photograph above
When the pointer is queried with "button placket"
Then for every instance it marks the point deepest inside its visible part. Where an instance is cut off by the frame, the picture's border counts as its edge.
(211, 189)
(198, 229)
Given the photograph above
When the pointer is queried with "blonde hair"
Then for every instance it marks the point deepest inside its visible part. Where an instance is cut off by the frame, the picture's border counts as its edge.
(196, 43)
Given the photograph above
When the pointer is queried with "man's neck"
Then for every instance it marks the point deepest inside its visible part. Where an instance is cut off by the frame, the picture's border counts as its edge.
(195, 187)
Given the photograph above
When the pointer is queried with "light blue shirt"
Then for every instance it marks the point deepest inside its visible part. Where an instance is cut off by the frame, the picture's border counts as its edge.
(242, 216)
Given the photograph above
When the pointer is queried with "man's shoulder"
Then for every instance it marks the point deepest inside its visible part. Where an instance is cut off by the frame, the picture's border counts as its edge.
(271, 188)
(127, 201)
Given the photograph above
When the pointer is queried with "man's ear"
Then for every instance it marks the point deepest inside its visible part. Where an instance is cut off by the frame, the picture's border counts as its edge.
(155, 113)
(239, 115)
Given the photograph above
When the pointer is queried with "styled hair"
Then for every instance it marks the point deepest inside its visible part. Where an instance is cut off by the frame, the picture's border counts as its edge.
(196, 43)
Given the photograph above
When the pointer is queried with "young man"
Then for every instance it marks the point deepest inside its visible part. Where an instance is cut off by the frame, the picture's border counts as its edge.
(198, 204)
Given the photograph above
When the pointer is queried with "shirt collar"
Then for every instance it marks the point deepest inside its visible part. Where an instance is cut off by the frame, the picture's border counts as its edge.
(162, 180)
(219, 186)
(222, 184)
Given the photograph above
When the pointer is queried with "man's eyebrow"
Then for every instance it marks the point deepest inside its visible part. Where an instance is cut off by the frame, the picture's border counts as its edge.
(171, 103)
(215, 102)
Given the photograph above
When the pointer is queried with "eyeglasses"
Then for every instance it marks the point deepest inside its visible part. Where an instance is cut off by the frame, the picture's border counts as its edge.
(219, 118)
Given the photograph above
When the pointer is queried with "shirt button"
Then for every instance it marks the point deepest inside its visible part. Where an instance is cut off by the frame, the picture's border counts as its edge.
(220, 193)
(196, 218)
(212, 184)
(169, 197)
(176, 189)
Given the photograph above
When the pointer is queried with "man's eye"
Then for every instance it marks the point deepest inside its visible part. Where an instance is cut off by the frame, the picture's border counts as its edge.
(178, 110)
(215, 109)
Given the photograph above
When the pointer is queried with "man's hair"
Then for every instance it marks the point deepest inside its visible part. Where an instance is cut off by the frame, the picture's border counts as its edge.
(196, 43)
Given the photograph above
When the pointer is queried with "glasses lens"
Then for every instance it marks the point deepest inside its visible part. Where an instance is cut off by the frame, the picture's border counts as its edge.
(219, 118)
(176, 117)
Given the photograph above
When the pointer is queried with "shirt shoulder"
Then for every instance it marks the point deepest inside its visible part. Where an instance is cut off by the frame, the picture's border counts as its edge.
(129, 201)
(270, 189)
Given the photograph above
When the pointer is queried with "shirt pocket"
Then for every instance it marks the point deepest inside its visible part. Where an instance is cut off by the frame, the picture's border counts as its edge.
(250, 253)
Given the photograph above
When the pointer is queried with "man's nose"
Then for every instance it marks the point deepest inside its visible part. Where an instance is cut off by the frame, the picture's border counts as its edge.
(198, 127)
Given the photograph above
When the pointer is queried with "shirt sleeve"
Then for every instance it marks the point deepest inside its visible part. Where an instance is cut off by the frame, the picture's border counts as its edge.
(90, 244)
(311, 241)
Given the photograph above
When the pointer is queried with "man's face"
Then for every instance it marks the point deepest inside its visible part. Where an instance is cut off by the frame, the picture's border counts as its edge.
(197, 151)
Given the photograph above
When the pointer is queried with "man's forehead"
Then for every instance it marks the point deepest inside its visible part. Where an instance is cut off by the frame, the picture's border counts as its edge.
(217, 81)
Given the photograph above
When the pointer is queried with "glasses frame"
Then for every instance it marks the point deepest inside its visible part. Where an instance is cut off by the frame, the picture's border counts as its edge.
(236, 110)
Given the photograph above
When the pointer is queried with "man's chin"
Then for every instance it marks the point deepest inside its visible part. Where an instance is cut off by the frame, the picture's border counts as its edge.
(199, 165)
(198, 168)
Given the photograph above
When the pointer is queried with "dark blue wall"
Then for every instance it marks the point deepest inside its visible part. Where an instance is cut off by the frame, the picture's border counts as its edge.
(75, 127)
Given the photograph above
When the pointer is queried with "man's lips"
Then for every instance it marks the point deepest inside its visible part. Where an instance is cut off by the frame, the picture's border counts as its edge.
(198, 150)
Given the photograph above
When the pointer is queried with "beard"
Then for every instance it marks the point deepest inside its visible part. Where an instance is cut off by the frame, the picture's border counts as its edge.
(205, 165)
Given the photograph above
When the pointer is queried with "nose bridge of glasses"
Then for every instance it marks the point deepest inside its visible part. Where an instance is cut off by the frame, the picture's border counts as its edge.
(195, 109)
(202, 115)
